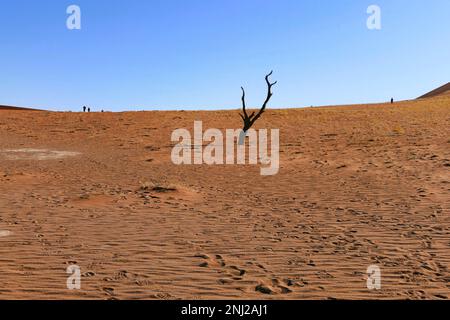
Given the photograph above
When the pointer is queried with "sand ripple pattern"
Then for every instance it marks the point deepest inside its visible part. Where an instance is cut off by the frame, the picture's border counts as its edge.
(357, 186)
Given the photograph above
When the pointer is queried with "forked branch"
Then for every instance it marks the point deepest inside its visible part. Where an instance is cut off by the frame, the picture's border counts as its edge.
(249, 120)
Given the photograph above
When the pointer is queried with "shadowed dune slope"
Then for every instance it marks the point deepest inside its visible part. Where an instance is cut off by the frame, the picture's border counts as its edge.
(11, 108)
(444, 90)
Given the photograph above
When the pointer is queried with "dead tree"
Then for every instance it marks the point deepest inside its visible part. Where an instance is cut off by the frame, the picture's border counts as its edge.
(249, 120)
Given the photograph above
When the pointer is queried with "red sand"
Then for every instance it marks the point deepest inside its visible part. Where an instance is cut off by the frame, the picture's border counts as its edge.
(358, 186)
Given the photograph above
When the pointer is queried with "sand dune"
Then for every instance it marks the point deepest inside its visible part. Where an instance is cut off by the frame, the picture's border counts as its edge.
(16, 108)
(358, 186)
(443, 90)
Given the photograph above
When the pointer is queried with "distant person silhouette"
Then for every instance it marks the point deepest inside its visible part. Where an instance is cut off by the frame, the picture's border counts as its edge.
(84, 109)
(392, 100)
(89, 109)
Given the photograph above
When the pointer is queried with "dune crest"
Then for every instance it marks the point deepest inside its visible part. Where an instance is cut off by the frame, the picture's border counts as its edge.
(443, 90)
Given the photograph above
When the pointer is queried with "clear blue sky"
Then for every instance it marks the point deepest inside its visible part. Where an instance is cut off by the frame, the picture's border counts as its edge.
(195, 54)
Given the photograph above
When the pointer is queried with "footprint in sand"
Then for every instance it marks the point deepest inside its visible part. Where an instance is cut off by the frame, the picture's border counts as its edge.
(108, 291)
(88, 274)
(275, 288)
(234, 274)
(219, 262)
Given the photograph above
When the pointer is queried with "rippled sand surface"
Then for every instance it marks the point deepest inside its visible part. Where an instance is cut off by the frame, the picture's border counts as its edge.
(358, 186)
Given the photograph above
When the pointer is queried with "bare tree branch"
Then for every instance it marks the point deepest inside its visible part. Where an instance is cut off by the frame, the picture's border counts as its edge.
(250, 120)
(243, 103)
